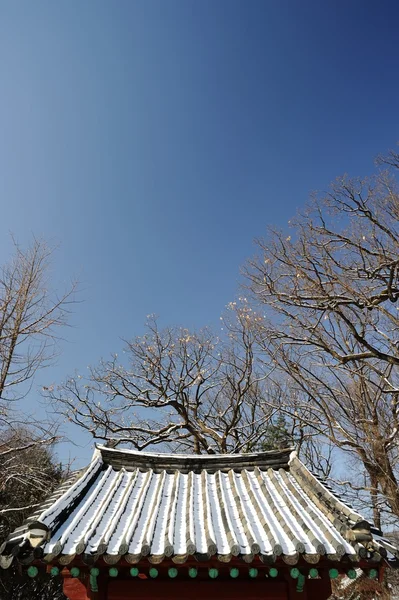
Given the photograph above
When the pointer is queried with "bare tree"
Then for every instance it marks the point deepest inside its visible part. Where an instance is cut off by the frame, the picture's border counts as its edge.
(15, 585)
(28, 473)
(187, 390)
(328, 293)
(30, 317)
(27, 476)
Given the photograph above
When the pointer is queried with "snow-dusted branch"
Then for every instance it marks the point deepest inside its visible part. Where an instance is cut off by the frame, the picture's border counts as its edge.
(190, 390)
(329, 292)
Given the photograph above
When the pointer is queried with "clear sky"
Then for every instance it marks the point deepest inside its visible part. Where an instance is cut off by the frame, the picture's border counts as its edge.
(153, 140)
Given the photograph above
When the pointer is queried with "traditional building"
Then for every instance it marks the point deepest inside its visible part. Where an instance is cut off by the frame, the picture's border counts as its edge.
(140, 525)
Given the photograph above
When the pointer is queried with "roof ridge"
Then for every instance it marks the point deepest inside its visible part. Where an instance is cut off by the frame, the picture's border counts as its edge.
(134, 452)
(127, 458)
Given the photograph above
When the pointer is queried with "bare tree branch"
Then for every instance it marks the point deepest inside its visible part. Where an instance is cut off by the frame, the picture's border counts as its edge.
(329, 293)
(187, 390)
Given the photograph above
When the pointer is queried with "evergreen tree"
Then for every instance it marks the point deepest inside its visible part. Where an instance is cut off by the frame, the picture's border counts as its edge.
(278, 435)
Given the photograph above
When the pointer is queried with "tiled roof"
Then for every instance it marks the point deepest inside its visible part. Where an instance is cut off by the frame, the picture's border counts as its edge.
(132, 504)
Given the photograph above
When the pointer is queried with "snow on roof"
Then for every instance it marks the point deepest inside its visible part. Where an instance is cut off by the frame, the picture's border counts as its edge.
(133, 504)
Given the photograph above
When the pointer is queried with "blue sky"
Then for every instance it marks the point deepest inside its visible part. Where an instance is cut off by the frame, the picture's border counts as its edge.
(153, 140)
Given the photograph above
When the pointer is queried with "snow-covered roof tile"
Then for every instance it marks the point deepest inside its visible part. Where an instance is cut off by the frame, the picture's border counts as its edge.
(134, 504)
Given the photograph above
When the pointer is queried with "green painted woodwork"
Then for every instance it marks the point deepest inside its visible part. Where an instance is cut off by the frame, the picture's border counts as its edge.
(313, 573)
(273, 572)
(33, 571)
(253, 572)
(113, 572)
(172, 572)
(93, 583)
(352, 574)
(213, 573)
(75, 571)
(153, 572)
(134, 571)
(234, 572)
(294, 573)
(192, 572)
(54, 571)
(373, 573)
(301, 583)
(94, 573)
(333, 573)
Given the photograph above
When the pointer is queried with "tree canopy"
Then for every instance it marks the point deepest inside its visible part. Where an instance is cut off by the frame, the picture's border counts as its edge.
(183, 389)
(329, 291)
(31, 315)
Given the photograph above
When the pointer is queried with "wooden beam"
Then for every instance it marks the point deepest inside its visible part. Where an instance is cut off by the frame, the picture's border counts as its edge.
(234, 589)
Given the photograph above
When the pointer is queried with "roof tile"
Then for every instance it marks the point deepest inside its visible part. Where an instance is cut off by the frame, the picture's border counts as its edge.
(135, 504)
